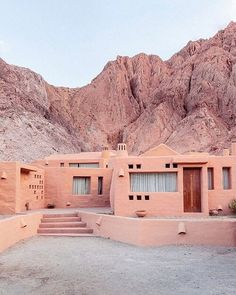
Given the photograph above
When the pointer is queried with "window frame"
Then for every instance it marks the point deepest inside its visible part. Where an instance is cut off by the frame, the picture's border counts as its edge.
(212, 178)
(73, 186)
(229, 181)
(156, 185)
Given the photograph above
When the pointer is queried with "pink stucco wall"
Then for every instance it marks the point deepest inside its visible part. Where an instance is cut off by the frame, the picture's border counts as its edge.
(59, 181)
(157, 232)
(171, 203)
(11, 230)
(20, 186)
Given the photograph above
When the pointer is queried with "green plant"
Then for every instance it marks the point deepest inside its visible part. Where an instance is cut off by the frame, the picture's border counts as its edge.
(232, 205)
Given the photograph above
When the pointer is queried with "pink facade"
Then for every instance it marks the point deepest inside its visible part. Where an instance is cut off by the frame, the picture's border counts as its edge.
(21, 187)
(160, 181)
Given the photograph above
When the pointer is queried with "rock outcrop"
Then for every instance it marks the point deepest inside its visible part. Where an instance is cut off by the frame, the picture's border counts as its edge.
(188, 102)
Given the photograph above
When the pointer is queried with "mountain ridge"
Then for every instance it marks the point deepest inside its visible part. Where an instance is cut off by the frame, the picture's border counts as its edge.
(187, 102)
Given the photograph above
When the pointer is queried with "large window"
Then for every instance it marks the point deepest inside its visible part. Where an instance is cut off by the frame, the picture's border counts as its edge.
(81, 185)
(210, 173)
(153, 182)
(84, 165)
(226, 178)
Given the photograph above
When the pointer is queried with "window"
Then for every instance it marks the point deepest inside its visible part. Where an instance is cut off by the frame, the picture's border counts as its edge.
(84, 165)
(139, 198)
(62, 164)
(100, 185)
(175, 165)
(81, 185)
(226, 178)
(131, 166)
(131, 197)
(138, 166)
(147, 198)
(167, 165)
(210, 173)
(153, 182)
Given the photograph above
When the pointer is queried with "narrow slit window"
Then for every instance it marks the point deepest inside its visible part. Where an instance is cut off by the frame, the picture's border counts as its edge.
(210, 173)
(100, 185)
(226, 178)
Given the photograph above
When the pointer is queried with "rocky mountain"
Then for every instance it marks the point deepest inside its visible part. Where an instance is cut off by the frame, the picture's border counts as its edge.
(188, 102)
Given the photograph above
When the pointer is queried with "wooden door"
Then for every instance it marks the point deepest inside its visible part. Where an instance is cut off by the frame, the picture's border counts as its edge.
(192, 189)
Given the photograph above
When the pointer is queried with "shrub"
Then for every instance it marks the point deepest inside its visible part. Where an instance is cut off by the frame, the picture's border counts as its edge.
(232, 205)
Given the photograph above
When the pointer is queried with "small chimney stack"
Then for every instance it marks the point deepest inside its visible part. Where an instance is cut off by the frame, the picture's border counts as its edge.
(122, 150)
(225, 152)
(105, 153)
(233, 147)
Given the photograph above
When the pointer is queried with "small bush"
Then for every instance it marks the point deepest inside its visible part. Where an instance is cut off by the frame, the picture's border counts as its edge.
(232, 205)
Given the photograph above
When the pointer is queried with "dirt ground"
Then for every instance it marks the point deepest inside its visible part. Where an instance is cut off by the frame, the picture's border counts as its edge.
(96, 266)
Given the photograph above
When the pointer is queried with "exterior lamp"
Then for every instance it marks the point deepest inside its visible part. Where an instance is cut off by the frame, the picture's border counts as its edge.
(121, 173)
(181, 228)
(4, 175)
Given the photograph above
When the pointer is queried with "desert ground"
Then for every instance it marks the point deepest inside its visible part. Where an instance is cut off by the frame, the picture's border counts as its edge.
(96, 266)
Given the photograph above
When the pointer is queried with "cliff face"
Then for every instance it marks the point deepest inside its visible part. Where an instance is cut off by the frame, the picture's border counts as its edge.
(188, 102)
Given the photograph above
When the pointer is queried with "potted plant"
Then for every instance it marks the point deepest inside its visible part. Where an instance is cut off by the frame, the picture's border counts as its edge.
(232, 205)
(50, 206)
(141, 213)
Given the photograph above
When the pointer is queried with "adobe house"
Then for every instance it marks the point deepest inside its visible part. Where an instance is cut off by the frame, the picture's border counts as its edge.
(165, 183)
(78, 180)
(21, 187)
(160, 181)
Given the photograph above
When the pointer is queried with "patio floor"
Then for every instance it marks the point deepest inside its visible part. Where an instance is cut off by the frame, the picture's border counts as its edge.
(96, 266)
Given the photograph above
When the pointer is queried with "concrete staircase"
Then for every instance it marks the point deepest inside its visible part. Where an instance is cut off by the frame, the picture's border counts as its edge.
(64, 224)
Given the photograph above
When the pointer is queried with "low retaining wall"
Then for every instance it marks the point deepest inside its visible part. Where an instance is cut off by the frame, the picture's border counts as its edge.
(157, 232)
(16, 228)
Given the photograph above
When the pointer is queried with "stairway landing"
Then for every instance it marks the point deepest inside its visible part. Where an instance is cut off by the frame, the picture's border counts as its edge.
(64, 224)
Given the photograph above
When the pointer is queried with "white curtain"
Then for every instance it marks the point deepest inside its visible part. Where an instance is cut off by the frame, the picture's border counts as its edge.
(74, 165)
(226, 177)
(210, 178)
(84, 165)
(88, 165)
(81, 185)
(153, 182)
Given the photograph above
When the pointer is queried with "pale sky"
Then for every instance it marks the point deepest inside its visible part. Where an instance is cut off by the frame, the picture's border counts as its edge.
(69, 42)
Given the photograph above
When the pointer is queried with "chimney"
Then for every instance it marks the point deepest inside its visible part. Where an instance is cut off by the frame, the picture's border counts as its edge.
(225, 152)
(233, 147)
(105, 153)
(122, 150)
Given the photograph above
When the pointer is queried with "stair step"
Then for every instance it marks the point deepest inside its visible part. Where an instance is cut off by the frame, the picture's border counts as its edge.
(60, 219)
(62, 224)
(65, 230)
(60, 215)
(67, 235)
